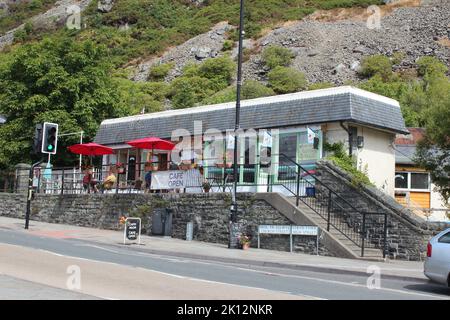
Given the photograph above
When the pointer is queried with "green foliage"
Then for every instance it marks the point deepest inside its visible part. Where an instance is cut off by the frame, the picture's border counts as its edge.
(186, 92)
(21, 11)
(60, 81)
(250, 90)
(227, 45)
(159, 72)
(340, 158)
(275, 56)
(434, 150)
(320, 85)
(201, 81)
(376, 65)
(286, 80)
(431, 66)
(220, 70)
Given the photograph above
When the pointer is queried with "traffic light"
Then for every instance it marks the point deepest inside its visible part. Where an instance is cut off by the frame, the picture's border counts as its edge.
(37, 140)
(49, 138)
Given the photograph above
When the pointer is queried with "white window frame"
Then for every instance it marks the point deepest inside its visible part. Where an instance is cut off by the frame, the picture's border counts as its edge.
(409, 182)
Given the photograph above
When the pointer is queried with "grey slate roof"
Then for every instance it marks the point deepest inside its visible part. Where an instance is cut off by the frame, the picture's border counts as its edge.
(310, 107)
(404, 154)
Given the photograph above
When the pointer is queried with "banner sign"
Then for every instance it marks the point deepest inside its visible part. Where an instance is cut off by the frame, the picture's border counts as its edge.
(167, 180)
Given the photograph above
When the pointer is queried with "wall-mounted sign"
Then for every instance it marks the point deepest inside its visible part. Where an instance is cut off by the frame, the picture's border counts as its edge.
(291, 231)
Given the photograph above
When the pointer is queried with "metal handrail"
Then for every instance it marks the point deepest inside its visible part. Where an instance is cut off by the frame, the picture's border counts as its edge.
(333, 202)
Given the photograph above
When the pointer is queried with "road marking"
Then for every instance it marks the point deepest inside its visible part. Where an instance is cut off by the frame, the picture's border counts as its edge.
(347, 284)
(98, 247)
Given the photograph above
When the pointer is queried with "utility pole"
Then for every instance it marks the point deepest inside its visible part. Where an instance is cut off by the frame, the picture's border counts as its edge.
(234, 208)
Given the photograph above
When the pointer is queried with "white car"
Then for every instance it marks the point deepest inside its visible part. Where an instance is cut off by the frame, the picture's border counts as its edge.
(437, 264)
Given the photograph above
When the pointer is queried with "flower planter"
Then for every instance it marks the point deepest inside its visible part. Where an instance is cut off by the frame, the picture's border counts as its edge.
(245, 246)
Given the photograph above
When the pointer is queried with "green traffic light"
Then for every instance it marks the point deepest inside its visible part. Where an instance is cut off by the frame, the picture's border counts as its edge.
(49, 147)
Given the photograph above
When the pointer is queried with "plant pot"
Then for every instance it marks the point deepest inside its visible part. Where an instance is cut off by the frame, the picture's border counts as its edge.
(220, 165)
(245, 246)
(120, 170)
(206, 190)
(229, 165)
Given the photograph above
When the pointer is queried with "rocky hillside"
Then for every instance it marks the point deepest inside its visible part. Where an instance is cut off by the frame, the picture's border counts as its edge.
(329, 45)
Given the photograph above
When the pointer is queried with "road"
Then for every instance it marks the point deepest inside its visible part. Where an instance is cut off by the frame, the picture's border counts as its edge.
(48, 267)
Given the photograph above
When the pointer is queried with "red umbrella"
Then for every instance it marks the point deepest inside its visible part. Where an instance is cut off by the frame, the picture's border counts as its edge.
(152, 143)
(90, 149)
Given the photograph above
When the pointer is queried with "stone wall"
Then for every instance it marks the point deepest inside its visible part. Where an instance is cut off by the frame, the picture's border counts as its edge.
(208, 211)
(408, 234)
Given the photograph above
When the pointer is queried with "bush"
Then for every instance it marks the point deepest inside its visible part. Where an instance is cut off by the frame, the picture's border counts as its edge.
(376, 65)
(253, 89)
(227, 45)
(320, 85)
(275, 56)
(186, 92)
(286, 80)
(219, 70)
(431, 66)
(159, 72)
(340, 158)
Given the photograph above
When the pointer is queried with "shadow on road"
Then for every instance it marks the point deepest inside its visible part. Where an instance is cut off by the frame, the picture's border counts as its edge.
(429, 288)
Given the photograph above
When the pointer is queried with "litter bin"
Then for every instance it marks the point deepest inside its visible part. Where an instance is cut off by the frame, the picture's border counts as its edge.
(162, 222)
(310, 191)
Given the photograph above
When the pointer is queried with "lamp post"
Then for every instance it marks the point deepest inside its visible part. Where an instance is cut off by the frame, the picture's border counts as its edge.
(234, 208)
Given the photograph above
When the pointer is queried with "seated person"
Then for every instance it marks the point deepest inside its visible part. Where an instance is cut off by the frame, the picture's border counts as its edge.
(109, 181)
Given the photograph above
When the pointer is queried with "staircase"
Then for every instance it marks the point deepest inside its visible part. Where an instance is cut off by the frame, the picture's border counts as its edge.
(369, 253)
(362, 234)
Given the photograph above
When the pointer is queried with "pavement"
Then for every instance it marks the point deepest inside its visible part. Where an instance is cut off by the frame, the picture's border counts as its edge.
(390, 269)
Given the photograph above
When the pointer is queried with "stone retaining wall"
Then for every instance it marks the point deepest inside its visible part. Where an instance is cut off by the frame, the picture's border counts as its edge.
(208, 211)
(408, 234)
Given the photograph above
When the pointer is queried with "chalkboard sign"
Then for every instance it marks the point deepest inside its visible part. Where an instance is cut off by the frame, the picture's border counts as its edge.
(132, 230)
(236, 230)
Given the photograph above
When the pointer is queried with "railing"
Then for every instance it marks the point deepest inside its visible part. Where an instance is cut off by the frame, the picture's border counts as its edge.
(364, 229)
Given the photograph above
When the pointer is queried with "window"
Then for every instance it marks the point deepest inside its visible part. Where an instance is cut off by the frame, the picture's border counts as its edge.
(445, 238)
(401, 180)
(412, 181)
(419, 181)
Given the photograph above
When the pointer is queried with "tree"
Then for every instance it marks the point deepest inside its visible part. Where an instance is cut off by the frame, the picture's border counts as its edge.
(286, 80)
(57, 80)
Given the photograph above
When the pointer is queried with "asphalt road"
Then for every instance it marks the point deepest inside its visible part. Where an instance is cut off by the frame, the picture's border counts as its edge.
(112, 272)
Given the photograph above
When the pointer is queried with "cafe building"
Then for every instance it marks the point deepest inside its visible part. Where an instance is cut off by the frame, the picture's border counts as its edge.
(295, 125)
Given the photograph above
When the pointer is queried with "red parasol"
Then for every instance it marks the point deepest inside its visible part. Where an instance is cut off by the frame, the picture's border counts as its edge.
(90, 149)
(152, 143)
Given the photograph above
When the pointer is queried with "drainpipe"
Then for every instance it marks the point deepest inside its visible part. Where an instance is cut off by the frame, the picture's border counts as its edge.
(350, 138)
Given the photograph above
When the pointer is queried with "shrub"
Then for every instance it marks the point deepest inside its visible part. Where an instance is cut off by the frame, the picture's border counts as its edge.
(286, 80)
(253, 89)
(431, 66)
(376, 65)
(340, 158)
(188, 91)
(227, 45)
(159, 72)
(275, 56)
(220, 70)
(320, 85)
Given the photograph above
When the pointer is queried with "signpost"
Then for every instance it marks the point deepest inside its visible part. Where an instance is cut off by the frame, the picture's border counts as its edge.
(291, 231)
(132, 230)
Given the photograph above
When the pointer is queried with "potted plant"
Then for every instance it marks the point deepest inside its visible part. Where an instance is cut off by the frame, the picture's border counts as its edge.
(120, 167)
(244, 241)
(206, 186)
